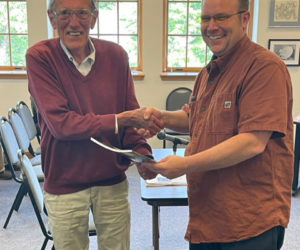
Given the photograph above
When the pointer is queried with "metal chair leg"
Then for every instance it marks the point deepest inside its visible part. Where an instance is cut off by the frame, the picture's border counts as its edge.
(16, 204)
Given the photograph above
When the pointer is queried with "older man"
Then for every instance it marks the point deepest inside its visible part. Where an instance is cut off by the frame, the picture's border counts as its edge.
(83, 87)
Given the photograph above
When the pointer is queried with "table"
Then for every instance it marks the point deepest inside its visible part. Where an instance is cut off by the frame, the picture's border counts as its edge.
(163, 195)
(295, 187)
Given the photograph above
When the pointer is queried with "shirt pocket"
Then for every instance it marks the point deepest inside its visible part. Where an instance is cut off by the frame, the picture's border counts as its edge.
(222, 114)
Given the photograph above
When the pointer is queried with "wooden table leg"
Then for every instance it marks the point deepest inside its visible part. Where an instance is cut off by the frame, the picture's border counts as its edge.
(155, 226)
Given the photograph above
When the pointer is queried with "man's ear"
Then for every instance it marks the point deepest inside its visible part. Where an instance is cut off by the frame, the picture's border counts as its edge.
(94, 19)
(52, 19)
(245, 19)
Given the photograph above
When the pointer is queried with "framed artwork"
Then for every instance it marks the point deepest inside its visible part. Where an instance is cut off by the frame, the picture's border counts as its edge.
(287, 49)
(284, 13)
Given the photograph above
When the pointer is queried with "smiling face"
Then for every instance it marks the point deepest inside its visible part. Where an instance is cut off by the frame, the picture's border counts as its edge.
(74, 32)
(221, 37)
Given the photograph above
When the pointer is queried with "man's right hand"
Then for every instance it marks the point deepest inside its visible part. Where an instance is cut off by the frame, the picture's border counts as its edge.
(147, 121)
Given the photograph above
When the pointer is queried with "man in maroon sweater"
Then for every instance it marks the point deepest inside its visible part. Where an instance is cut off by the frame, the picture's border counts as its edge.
(83, 88)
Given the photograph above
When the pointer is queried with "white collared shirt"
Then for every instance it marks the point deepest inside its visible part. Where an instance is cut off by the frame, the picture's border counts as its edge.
(85, 66)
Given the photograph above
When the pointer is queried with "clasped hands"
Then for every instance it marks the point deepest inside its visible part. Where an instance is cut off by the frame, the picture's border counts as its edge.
(148, 122)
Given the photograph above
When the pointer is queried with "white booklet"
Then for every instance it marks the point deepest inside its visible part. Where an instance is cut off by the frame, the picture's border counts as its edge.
(160, 180)
(129, 153)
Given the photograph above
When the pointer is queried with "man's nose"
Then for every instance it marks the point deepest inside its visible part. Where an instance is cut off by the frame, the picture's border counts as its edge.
(73, 19)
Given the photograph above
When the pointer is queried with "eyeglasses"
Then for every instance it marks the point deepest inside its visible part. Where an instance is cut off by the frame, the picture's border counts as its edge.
(219, 18)
(66, 14)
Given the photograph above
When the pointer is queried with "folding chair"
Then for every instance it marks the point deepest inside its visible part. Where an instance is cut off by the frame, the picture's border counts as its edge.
(10, 148)
(22, 136)
(175, 101)
(30, 125)
(177, 98)
(37, 199)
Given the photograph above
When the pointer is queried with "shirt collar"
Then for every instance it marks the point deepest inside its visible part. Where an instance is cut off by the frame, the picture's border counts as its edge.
(90, 57)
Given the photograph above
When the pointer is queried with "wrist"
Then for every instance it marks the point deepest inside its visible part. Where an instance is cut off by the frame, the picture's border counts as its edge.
(123, 118)
(164, 115)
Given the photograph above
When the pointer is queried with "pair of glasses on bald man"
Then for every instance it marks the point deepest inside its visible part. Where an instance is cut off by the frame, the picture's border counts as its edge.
(65, 15)
(219, 18)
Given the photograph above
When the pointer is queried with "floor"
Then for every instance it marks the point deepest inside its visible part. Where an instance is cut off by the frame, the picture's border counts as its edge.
(24, 233)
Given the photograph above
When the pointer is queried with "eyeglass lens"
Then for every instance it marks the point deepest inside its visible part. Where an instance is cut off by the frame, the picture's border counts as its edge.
(66, 14)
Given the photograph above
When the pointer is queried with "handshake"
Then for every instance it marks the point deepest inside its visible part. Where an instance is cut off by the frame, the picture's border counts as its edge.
(147, 121)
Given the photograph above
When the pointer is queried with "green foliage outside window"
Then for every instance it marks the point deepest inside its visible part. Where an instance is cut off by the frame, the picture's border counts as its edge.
(13, 33)
(118, 22)
(185, 45)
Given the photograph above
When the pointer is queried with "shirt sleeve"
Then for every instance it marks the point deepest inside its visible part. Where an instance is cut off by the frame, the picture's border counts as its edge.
(264, 99)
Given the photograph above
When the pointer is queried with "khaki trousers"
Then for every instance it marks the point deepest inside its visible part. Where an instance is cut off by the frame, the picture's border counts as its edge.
(69, 213)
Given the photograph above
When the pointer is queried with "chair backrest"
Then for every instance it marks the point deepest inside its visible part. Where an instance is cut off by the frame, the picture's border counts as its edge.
(9, 141)
(19, 129)
(177, 98)
(33, 182)
(10, 147)
(27, 118)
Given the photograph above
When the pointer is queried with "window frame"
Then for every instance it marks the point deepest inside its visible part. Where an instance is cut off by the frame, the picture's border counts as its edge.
(137, 71)
(166, 70)
(186, 74)
(6, 71)
(13, 72)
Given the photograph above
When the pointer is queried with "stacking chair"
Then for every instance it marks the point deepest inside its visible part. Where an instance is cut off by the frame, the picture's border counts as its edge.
(22, 135)
(10, 147)
(175, 101)
(37, 199)
(177, 98)
(31, 128)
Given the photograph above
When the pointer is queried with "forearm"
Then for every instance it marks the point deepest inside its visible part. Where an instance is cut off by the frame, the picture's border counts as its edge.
(230, 152)
(176, 120)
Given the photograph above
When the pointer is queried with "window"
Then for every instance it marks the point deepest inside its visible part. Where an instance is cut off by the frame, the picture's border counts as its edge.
(184, 48)
(13, 34)
(119, 21)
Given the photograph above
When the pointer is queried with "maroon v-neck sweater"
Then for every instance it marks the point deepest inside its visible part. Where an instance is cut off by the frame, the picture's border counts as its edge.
(73, 107)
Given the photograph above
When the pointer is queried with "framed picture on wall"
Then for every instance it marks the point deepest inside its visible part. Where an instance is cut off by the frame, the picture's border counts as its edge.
(287, 50)
(284, 13)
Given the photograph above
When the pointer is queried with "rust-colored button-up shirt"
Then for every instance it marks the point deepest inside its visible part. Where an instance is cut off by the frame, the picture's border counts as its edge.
(247, 90)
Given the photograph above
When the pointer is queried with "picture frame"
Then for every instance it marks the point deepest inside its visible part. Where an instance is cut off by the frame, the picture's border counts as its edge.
(287, 49)
(284, 13)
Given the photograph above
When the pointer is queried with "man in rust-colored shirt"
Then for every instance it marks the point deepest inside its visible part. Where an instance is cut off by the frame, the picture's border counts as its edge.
(239, 162)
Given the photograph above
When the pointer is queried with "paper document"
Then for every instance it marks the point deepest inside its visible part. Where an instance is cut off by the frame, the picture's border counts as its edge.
(160, 180)
(129, 153)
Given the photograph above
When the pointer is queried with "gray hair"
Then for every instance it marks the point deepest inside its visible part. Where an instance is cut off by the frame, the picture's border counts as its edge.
(52, 3)
(244, 4)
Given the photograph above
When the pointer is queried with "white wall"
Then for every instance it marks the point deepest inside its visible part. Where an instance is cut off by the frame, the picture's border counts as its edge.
(151, 91)
(265, 33)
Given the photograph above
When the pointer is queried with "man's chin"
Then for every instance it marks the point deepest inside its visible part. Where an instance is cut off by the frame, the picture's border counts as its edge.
(74, 45)
(217, 52)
